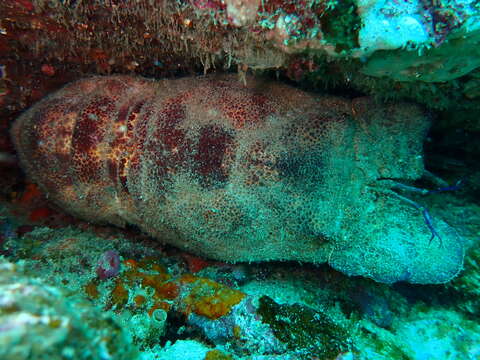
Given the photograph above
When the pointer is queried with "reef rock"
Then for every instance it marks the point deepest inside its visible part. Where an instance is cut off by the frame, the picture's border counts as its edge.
(242, 173)
(39, 321)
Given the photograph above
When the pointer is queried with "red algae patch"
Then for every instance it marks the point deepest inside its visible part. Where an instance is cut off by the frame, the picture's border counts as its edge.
(168, 290)
(211, 299)
(91, 290)
(139, 300)
(153, 288)
(119, 295)
(161, 305)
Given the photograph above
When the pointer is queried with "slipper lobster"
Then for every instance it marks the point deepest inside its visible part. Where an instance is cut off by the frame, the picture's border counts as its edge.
(236, 172)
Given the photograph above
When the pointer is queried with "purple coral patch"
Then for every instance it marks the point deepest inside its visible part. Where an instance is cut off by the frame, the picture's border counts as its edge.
(108, 265)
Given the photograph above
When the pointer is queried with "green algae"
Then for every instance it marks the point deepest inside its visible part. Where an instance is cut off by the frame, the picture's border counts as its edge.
(380, 342)
(341, 25)
(304, 329)
(466, 288)
(460, 95)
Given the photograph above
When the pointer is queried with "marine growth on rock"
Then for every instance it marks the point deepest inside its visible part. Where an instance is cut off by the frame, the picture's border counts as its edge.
(238, 172)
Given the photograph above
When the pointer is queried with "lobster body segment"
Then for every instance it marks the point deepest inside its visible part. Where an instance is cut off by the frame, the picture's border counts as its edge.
(240, 173)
